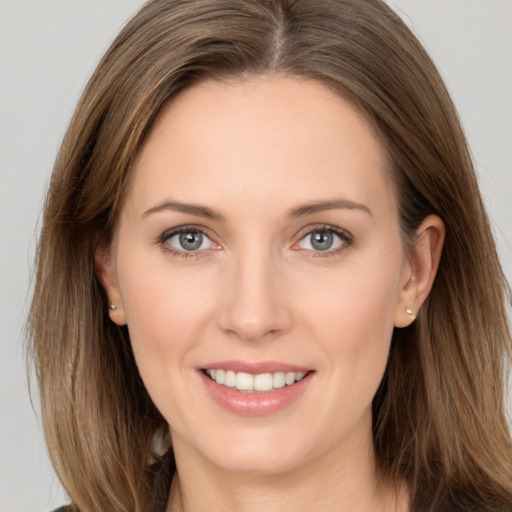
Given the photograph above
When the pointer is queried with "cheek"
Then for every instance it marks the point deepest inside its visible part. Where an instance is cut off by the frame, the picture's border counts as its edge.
(164, 310)
(166, 318)
(356, 299)
(352, 320)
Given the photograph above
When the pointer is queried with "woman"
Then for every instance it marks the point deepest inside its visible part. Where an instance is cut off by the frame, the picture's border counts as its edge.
(276, 282)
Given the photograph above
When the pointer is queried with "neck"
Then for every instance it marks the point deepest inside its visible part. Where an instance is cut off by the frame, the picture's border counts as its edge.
(344, 478)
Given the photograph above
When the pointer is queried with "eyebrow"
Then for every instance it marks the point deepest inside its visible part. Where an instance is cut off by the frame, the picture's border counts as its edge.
(320, 206)
(300, 211)
(192, 209)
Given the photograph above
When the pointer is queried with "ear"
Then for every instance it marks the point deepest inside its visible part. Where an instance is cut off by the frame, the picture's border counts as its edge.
(422, 268)
(105, 270)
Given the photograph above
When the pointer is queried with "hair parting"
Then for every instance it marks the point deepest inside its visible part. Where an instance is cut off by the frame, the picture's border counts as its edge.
(439, 414)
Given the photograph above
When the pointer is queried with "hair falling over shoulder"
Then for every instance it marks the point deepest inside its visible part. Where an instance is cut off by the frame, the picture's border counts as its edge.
(439, 415)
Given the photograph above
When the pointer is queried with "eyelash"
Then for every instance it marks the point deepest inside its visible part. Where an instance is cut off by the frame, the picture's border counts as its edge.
(347, 240)
(164, 238)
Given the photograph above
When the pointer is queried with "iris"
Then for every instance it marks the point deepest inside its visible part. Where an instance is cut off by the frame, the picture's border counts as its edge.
(321, 240)
(191, 240)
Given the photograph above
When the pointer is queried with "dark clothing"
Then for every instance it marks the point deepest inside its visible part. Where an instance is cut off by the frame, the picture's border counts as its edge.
(162, 473)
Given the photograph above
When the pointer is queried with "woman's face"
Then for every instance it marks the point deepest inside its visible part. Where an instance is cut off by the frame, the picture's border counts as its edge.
(259, 245)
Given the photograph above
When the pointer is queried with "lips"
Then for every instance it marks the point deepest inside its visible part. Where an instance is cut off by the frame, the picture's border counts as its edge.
(255, 388)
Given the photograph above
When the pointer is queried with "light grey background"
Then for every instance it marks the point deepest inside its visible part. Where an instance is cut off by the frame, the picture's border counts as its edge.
(47, 51)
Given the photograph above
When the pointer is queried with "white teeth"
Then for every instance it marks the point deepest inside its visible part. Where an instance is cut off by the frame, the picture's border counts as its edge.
(289, 378)
(244, 381)
(230, 379)
(219, 376)
(261, 382)
(278, 380)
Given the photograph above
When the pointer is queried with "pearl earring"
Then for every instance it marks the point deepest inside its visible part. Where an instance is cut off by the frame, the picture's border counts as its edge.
(113, 307)
(410, 313)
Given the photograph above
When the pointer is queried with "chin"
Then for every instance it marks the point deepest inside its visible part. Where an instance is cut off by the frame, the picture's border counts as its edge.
(258, 464)
(254, 453)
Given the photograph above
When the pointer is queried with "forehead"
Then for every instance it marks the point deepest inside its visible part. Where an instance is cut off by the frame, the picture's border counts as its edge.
(261, 137)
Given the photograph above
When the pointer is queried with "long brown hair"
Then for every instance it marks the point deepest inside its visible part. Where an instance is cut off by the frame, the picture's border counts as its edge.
(439, 414)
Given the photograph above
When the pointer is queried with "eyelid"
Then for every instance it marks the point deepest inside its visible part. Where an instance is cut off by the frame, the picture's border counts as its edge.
(169, 233)
(346, 237)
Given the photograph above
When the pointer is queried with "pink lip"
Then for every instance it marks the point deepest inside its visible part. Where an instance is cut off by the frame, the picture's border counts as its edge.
(256, 367)
(256, 404)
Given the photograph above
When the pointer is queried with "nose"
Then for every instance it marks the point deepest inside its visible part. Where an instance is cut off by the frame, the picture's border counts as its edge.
(255, 305)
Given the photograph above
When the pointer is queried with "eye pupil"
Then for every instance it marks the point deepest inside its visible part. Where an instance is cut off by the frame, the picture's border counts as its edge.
(321, 240)
(191, 240)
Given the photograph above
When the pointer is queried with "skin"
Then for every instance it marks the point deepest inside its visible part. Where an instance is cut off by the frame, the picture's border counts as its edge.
(257, 290)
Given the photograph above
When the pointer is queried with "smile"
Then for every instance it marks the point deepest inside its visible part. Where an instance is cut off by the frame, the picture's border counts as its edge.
(258, 383)
(255, 388)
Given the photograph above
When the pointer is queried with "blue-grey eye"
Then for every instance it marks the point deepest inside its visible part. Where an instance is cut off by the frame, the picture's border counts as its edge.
(190, 241)
(321, 240)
